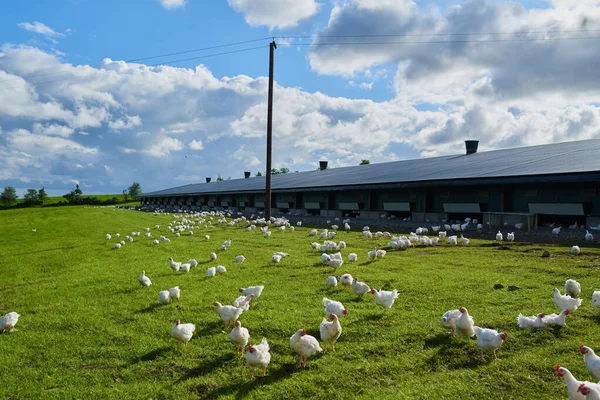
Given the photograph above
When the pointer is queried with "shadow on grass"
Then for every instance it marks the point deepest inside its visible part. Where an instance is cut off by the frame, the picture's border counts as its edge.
(154, 354)
(241, 391)
(150, 308)
(456, 355)
(207, 367)
(211, 328)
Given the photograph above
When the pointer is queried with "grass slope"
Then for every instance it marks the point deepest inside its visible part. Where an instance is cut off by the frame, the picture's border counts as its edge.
(102, 197)
(88, 330)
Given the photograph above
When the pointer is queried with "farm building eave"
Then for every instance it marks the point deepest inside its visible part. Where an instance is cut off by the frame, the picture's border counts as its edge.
(558, 162)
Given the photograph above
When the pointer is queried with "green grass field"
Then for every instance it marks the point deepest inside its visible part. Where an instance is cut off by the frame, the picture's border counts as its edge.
(51, 200)
(89, 330)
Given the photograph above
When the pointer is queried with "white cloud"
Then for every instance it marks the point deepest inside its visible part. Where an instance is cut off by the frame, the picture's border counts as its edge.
(164, 147)
(196, 145)
(275, 13)
(38, 27)
(246, 157)
(127, 123)
(52, 129)
(170, 4)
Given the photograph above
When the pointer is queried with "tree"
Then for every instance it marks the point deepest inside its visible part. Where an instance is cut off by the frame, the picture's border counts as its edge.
(8, 196)
(74, 196)
(281, 170)
(219, 178)
(125, 194)
(365, 162)
(258, 174)
(31, 197)
(135, 189)
(42, 196)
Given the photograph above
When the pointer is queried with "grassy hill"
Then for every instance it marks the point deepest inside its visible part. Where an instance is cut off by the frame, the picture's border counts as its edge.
(54, 200)
(89, 330)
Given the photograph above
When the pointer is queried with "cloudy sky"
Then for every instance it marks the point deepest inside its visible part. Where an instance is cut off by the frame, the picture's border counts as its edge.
(84, 99)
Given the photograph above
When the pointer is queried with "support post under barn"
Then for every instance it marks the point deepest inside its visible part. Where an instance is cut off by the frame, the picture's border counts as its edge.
(272, 47)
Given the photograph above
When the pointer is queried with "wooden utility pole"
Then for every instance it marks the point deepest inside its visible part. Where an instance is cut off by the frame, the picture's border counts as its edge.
(272, 47)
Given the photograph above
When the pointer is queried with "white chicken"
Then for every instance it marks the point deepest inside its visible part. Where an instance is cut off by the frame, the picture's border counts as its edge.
(464, 240)
(144, 280)
(335, 263)
(596, 299)
(489, 339)
(360, 288)
(258, 356)
(221, 269)
(590, 392)
(239, 337)
(210, 272)
(255, 290)
(572, 288)
(452, 240)
(535, 321)
(276, 258)
(164, 297)
(228, 313)
(346, 279)
(449, 320)
(592, 361)
(332, 306)
(556, 231)
(304, 345)
(175, 293)
(332, 281)
(372, 254)
(243, 302)
(381, 253)
(588, 236)
(185, 267)
(575, 250)
(330, 331)
(213, 256)
(8, 322)
(385, 298)
(239, 259)
(183, 332)
(464, 324)
(281, 254)
(564, 301)
(174, 265)
(557, 319)
(499, 236)
(572, 383)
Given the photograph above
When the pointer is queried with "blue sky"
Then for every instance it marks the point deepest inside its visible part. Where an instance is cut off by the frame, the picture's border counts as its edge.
(74, 109)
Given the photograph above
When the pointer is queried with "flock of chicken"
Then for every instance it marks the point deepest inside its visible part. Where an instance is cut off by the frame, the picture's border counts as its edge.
(456, 321)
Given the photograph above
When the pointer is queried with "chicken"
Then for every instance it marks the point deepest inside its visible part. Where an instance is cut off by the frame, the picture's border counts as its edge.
(575, 250)
(346, 279)
(243, 302)
(588, 236)
(144, 280)
(239, 259)
(8, 322)
(255, 290)
(589, 391)
(449, 320)
(489, 339)
(276, 258)
(221, 269)
(592, 361)
(281, 254)
(565, 301)
(596, 299)
(175, 293)
(304, 345)
(174, 265)
(380, 253)
(499, 236)
(464, 240)
(572, 383)
(557, 319)
(331, 281)
(556, 231)
(510, 237)
(239, 337)
(360, 288)
(385, 298)
(332, 306)
(164, 297)
(572, 288)
(183, 332)
(185, 267)
(258, 356)
(330, 331)
(335, 263)
(228, 313)
(372, 254)
(536, 321)
(464, 324)
(210, 272)
(213, 256)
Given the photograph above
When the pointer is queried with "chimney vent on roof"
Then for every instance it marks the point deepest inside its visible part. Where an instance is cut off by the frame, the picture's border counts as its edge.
(247, 174)
(323, 165)
(471, 146)
(207, 179)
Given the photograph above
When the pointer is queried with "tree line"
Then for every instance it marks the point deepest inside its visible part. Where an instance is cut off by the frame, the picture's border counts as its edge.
(34, 197)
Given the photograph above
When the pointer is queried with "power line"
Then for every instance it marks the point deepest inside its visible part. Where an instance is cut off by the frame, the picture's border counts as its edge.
(153, 65)
(437, 34)
(149, 58)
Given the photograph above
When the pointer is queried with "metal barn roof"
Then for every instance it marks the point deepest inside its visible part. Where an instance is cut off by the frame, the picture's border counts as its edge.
(551, 159)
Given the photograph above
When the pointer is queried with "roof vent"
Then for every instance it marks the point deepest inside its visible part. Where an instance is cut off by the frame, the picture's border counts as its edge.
(471, 146)
(207, 179)
(247, 174)
(323, 165)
